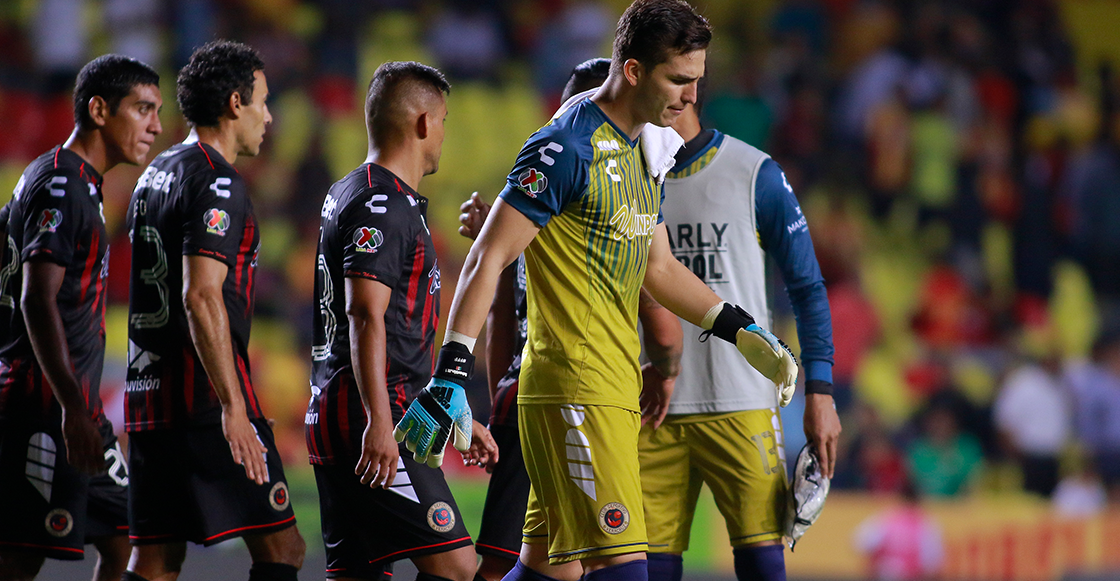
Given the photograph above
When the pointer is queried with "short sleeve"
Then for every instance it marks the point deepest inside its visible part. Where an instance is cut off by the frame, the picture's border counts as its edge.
(548, 175)
(55, 217)
(376, 231)
(215, 208)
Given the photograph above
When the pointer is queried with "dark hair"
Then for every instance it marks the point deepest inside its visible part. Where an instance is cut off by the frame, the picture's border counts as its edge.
(393, 83)
(586, 76)
(215, 71)
(112, 78)
(653, 31)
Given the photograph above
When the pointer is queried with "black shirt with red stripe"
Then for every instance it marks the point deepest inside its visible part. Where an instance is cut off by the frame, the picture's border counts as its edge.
(55, 215)
(189, 201)
(374, 227)
(503, 409)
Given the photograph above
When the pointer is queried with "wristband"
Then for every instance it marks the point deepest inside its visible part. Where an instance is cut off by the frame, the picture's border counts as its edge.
(728, 322)
(818, 386)
(455, 363)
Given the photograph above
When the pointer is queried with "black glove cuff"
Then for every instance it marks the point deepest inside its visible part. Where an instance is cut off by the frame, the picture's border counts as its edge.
(728, 322)
(818, 386)
(455, 363)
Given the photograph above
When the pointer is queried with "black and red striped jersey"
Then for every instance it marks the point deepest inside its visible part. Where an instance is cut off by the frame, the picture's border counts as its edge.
(189, 201)
(373, 226)
(56, 214)
(503, 408)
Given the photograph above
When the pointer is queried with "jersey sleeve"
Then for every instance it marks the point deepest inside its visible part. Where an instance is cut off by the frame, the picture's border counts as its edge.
(376, 230)
(547, 176)
(784, 234)
(215, 208)
(55, 217)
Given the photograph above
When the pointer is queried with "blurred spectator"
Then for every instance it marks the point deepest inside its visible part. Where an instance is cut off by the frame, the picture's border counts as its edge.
(1080, 494)
(467, 40)
(1096, 385)
(902, 543)
(1034, 418)
(943, 461)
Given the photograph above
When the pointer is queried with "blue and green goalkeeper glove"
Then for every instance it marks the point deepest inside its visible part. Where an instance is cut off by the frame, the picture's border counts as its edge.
(441, 409)
(765, 352)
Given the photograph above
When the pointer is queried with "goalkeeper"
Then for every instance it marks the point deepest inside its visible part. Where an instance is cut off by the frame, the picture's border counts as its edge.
(723, 427)
(584, 197)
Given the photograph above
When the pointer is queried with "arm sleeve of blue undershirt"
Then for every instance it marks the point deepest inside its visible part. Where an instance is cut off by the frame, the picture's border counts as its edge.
(784, 234)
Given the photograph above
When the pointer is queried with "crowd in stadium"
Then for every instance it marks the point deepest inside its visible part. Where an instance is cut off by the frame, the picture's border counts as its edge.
(958, 164)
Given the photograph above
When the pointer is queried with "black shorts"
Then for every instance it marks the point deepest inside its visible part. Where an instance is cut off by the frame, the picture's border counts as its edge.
(365, 528)
(47, 506)
(504, 513)
(185, 486)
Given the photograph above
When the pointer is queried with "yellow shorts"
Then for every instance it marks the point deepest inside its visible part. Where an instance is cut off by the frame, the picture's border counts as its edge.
(739, 455)
(586, 496)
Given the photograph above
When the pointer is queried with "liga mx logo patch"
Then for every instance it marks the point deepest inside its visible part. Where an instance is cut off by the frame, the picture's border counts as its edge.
(441, 518)
(217, 221)
(59, 522)
(367, 239)
(532, 182)
(278, 496)
(50, 220)
(614, 518)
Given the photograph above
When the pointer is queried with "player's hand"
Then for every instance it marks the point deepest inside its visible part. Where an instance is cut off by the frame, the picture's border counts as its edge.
(657, 390)
(244, 444)
(483, 451)
(822, 429)
(83, 442)
(474, 212)
(771, 357)
(378, 464)
(439, 411)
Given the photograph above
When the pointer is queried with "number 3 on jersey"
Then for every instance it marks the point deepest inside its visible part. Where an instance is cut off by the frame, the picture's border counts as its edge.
(156, 275)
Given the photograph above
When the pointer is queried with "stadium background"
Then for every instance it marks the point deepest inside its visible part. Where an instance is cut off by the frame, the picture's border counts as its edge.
(958, 162)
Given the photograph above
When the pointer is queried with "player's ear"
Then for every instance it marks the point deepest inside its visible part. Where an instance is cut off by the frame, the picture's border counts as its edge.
(98, 110)
(633, 71)
(422, 125)
(234, 105)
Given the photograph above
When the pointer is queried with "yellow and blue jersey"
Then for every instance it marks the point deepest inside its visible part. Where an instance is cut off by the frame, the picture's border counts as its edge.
(586, 184)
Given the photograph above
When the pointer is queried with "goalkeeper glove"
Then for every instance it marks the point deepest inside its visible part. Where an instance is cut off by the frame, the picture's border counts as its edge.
(765, 352)
(441, 409)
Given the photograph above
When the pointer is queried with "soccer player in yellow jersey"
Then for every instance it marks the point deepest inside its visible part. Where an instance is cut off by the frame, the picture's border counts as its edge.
(583, 203)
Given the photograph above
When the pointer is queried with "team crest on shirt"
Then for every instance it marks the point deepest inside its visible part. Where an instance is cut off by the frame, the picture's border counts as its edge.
(278, 496)
(441, 518)
(614, 518)
(367, 239)
(49, 221)
(59, 522)
(532, 182)
(217, 221)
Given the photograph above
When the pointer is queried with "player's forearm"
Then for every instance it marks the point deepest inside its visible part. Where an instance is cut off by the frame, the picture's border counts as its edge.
(48, 341)
(661, 335)
(814, 330)
(501, 329)
(367, 351)
(209, 327)
(677, 289)
(477, 282)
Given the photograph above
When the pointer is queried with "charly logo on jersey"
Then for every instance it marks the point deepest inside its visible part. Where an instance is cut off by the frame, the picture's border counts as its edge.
(532, 182)
(433, 279)
(59, 522)
(49, 220)
(217, 221)
(367, 239)
(614, 518)
(440, 517)
(278, 496)
(141, 375)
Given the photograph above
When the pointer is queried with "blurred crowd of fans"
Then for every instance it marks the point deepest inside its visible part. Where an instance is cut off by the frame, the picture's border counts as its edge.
(959, 164)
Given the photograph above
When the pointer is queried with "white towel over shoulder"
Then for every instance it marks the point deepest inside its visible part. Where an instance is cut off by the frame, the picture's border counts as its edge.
(659, 144)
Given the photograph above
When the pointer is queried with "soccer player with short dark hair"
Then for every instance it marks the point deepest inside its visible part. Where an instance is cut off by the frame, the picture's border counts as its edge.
(583, 202)
(204, 464)
(62, 472)
(499, 538)
(378, 285)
